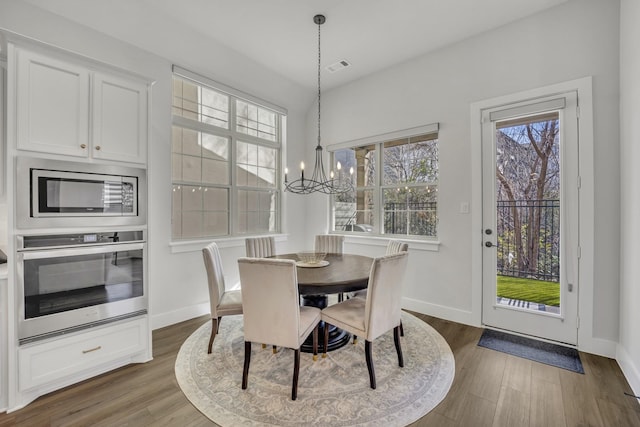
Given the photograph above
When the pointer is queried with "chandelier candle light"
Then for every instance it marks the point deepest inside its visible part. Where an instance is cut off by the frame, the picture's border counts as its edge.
(337, 183)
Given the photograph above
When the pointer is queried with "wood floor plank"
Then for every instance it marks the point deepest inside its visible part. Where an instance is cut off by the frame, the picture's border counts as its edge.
(433, 419)
(546, 404)
(452, 406)
(617, 414)
(604, 381)
(547, 373)
(580, 406)
(517, 374)
(513, 408)
(479, 412)
(487, 379)
(489, 388)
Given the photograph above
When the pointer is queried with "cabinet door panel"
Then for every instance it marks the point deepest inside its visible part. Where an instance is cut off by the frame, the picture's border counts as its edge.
(119, 119)
(53, 105)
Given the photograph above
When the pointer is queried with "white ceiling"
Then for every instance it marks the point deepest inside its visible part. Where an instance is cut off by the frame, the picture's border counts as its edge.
(280, 34)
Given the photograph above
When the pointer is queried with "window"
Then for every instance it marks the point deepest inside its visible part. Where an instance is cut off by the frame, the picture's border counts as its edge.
(225, 161)
(399, 197)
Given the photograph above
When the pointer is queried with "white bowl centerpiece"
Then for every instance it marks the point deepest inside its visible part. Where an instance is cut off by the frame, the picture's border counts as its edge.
(311, 257)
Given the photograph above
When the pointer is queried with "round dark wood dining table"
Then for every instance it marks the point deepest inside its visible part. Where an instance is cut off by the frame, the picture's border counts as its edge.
(345, 273)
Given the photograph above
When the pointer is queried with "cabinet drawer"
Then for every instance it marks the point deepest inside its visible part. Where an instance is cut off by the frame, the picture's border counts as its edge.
(41, 363)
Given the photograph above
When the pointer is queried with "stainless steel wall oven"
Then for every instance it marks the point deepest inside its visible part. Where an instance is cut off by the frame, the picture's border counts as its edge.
(68, 282)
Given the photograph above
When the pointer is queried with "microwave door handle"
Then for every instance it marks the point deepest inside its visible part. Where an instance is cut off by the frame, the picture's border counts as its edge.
(84, 250)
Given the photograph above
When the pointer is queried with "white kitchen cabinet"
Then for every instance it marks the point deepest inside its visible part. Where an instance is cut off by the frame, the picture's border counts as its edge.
(68, 108)
(119, 119)
(52, 105)
(55, 363)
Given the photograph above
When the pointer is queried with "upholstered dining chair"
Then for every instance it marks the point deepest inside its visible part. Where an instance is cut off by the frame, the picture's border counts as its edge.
(260, 247)
(223, 302)
(272, 311)
(393, 247)
(379, 313)
(331, 244)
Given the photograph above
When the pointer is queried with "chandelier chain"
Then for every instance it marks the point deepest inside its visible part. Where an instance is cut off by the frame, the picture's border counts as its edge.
(319, 92)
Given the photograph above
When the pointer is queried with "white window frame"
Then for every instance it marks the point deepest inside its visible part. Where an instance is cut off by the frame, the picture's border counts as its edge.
(234, 136)
(378, 188)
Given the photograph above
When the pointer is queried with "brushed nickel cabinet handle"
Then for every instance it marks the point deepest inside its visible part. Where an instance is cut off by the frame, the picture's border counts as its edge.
(98, 147)
(83, 145)
(92, 349)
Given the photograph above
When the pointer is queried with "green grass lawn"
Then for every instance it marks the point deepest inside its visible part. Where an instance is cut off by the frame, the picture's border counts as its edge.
(529, 290)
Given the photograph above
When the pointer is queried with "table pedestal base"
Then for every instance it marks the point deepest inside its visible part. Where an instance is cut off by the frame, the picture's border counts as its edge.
(337, 337)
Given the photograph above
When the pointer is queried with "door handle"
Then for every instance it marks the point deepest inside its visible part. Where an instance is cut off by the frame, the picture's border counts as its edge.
(489, 244)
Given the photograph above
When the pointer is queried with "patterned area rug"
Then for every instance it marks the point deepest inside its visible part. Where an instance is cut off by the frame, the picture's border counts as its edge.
(331, 392)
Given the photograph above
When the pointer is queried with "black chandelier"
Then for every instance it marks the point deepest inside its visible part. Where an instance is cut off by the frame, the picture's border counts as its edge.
(338, 182)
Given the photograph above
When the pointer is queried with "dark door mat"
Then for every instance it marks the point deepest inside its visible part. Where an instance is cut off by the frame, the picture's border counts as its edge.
(539, 351)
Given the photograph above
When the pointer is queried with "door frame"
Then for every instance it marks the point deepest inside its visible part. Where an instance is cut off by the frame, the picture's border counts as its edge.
(583, 86)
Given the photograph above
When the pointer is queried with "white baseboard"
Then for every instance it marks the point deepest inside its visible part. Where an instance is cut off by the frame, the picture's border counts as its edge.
(176, 316)
(598, 346)
(439, 311)
(629, 368)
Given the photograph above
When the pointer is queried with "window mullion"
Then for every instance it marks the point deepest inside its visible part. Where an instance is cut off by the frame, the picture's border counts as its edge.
(378, 213)
(233, 179)
(201, 127)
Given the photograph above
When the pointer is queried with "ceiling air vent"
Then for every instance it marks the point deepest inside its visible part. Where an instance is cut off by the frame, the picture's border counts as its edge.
(338, 66)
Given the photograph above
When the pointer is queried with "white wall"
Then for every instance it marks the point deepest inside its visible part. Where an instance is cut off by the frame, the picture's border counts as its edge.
(177, 280)
(629, 343)
(576, 39)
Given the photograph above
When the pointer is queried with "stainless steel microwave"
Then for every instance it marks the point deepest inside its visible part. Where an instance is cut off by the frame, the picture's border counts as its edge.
(52, 193)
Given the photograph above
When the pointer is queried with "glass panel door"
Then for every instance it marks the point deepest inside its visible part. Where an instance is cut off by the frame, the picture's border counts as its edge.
(530, 217)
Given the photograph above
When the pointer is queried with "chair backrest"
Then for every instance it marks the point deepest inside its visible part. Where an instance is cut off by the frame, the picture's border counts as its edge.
(396, 246)
(382, 310)
(329, 243)
(215, 276)
(270, 301)
(260, 247)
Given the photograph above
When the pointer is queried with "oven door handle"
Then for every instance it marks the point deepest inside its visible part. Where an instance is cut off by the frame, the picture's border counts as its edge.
(84, 250)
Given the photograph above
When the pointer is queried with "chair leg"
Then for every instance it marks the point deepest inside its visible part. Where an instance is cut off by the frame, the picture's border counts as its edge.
(274, 349)
(326, 339)
(214, 331)
(396, 340)
(247, 360)
(355, 339)
(367, 354)
(401, 329)
(315, 343)
(296, 371)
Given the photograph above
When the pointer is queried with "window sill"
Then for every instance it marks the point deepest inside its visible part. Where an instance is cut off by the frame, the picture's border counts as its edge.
(414, 244)
(183, 246)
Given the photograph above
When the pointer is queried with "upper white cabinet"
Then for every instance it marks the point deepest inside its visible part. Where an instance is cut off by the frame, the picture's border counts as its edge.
(53, 105)
(70, 109)
(119, 119)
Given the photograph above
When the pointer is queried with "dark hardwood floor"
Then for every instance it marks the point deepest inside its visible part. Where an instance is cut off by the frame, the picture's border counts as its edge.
(489, 389)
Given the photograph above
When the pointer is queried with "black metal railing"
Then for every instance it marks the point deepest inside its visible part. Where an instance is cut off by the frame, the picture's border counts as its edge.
(419, 219)
(528, 234)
